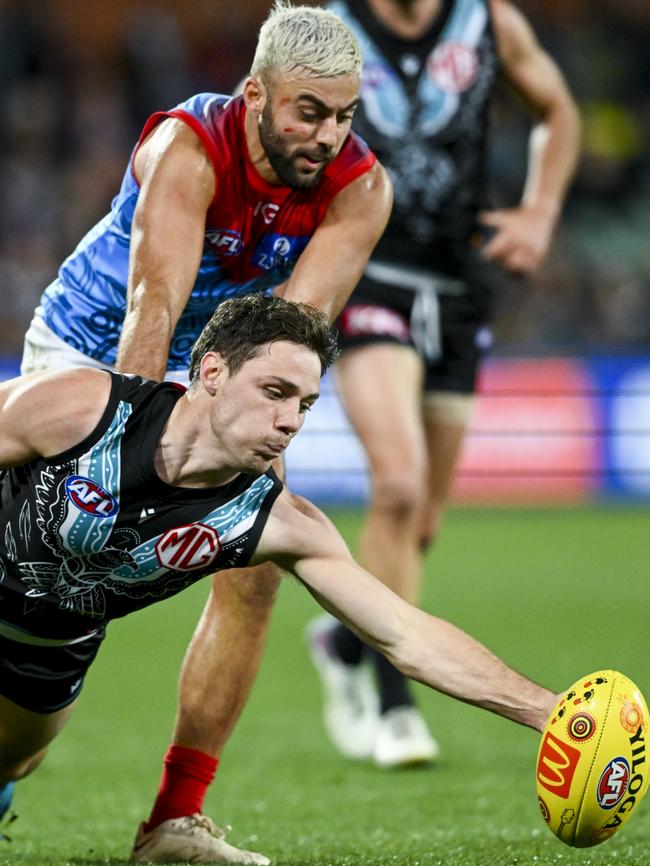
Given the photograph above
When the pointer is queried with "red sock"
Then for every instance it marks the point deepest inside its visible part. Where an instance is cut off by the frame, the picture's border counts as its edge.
(186, 776)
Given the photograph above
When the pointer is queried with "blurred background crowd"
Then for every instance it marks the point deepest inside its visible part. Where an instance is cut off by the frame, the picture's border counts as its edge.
(79, 77)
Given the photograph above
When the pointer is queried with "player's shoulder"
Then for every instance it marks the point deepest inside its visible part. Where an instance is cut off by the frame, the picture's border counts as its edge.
(203, 128)
(79, 385)
(205, 104)
(292, 508)
(59, 408)
(512, 29)
(295, 528)
(353, 160)
(369, 197)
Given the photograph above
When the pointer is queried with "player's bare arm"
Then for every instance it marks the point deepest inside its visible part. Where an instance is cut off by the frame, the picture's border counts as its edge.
(303, 541)
(177, 185)
(333, 261)
(523, 234)
(31, 421)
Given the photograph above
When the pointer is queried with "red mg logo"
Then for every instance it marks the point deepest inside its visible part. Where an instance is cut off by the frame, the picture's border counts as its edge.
(453, 66)
(188, 547)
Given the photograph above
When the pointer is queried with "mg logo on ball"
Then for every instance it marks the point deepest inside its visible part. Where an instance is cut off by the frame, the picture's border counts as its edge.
(188, 547)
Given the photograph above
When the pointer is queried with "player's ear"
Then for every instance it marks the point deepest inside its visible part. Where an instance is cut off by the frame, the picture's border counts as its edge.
(255, 95)
(213, 372)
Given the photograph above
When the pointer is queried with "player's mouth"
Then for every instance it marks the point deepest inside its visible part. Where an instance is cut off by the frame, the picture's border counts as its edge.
(314, 163)
(271, 450)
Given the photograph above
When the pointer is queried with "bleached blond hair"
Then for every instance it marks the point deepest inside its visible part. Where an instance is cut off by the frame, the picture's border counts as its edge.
(305, 37)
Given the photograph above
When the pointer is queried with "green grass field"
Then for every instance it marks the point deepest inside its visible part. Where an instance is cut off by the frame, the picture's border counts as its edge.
(557, 593)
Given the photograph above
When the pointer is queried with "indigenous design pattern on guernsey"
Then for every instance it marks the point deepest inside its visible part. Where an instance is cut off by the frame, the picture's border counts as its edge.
(129, 566)
(85, 563)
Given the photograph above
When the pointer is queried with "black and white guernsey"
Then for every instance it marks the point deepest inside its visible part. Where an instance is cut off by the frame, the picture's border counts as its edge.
(424, 111)
(94, 533)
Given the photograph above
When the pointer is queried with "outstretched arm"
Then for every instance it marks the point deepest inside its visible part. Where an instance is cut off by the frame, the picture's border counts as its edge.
(332, 263)
(301, 539)
(523, 234)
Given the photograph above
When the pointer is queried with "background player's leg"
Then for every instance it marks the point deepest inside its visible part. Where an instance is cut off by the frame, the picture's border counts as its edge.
(381, 387)
(216, 677)
(446, 418)
(403, 738)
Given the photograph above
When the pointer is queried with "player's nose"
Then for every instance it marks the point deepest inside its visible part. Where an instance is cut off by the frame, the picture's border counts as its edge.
(327, 133)
(289, 420)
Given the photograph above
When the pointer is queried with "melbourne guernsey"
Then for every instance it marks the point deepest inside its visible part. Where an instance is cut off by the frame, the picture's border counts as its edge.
(254, 234)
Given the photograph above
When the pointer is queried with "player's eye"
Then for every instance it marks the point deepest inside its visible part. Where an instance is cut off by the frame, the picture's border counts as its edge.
(274, 393)
(305, 407)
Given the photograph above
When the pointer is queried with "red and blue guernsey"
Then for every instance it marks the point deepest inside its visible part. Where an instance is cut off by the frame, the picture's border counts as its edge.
(254, 234)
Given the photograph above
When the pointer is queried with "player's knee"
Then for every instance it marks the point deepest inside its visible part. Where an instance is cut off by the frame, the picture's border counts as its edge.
(401, 495)
(430, 529)
(427, 539)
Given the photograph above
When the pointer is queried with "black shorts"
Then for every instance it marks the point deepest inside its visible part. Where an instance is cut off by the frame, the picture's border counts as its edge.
(445, 319)
(45, 679)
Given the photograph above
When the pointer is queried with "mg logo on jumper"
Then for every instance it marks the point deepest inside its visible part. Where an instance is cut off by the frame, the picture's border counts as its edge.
(453, 66)
(89, 497)
(613, 783)
(188, 547)
(556, 765)
(267, 210)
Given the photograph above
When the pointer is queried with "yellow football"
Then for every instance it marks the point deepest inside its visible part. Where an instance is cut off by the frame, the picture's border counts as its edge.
(592, 768)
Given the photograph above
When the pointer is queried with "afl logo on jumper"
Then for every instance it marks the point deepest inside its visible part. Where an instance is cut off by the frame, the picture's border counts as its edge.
(227, 241)
(188, 547)
(453, 66)
(89, 497)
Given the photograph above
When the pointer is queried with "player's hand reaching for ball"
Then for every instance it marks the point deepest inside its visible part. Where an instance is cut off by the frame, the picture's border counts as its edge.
(520, 237)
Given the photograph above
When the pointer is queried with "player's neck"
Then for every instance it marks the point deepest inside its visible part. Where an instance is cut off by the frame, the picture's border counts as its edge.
(408, 19)
(187, 454)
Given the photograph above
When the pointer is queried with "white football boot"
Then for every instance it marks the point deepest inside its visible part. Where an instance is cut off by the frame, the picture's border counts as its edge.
(351, 706)
(403, 739)
(191, 839)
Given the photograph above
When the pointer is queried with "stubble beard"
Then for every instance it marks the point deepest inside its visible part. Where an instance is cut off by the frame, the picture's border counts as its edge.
(281, 163)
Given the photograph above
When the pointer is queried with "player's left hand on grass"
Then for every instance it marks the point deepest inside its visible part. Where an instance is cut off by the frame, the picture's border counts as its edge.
(521, 237)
